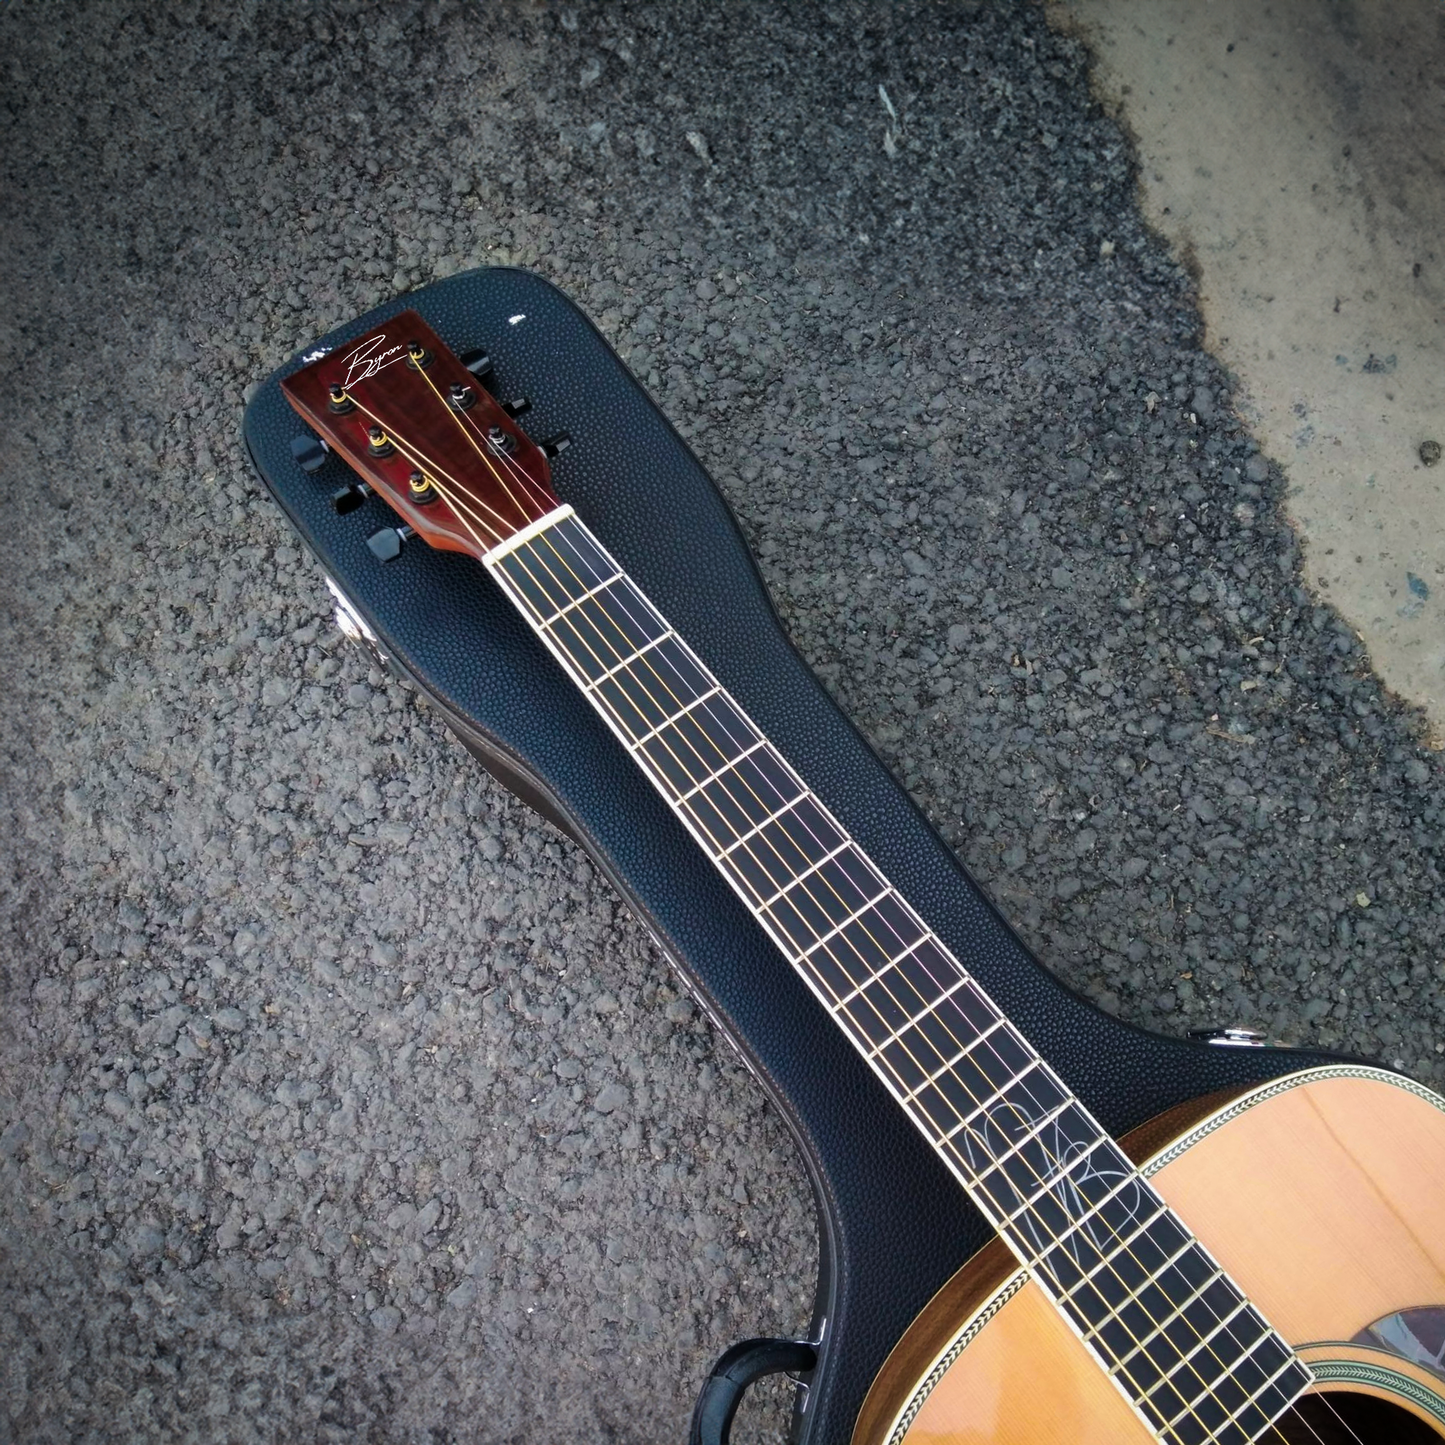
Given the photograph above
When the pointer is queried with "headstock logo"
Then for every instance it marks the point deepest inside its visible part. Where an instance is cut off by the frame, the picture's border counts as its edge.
(369, 358)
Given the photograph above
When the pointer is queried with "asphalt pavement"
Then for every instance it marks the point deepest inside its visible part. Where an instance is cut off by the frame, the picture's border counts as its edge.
(339, 1098)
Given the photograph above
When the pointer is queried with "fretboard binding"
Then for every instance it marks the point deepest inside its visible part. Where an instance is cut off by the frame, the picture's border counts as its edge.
(758, 828)
(897, 1035)
(803, 876)
(1251, 1400)
(963, 1053)
(832, 933)
(893, 963)
(1241, 1308)
(578, 601)
(726, 768)
(627, 661)
(675, 718)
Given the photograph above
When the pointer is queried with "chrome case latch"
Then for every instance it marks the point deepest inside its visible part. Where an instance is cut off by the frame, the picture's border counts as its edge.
(1231, 1038)
(353, 625)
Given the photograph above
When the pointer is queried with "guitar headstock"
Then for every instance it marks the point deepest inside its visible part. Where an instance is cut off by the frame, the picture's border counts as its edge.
(423, 433)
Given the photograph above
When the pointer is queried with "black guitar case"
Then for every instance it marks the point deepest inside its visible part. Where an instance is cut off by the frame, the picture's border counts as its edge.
(893, 1225)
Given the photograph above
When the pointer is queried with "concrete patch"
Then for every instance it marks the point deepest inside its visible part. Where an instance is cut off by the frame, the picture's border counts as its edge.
(1294, 155)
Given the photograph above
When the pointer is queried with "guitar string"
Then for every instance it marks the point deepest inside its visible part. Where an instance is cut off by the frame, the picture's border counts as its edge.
(1056, 1163)
(1038, 1179)
(414, 454)
(491, 530)
(1210, 1386)
(1163, 1205)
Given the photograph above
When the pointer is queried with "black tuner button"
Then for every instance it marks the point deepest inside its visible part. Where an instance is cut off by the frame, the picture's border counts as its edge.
(478, 363)
(350, 497)
(386, 544)
(556, 445)
(514, 409)
(310, 452)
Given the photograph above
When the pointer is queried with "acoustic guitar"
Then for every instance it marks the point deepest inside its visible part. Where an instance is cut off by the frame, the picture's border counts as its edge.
(1265, 1262)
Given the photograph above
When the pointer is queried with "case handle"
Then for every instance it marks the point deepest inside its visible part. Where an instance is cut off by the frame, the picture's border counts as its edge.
(736, 1369)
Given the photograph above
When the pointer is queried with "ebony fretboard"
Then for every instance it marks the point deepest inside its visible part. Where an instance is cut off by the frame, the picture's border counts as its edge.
(1165, 1321)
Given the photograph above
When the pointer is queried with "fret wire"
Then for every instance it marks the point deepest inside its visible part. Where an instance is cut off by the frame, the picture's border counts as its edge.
(898, 1035)
(726, 768)
(1050, 1184)
(676, 718)
(758, 828)
(1161, 1325)
(578, 601)
(962, 981)
(857, 914)
(626, 661)
(1292, 1362)
(1241, 1308)
(992, 1099)
(893, 963)
(1161, 1213)
(805, 874)
(1012, 1151)
(1252, 1398)
(962, 1054)
(846, 923)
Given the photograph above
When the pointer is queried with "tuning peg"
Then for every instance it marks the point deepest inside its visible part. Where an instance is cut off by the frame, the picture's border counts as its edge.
(386, 544)
(310, 452)
(553, 446)
(350, 497)
(478, 363)
(514, 409)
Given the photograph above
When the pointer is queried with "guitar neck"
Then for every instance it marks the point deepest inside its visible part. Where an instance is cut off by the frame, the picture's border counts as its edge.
(938, 1043)
(1126, 1273)
(1178, 1339)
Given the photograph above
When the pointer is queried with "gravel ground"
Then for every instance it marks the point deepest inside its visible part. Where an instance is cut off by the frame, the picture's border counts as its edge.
(310, 1140)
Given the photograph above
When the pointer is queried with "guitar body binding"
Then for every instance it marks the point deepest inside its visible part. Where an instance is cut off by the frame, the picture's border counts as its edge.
(893, 1225)
(1318, 1192)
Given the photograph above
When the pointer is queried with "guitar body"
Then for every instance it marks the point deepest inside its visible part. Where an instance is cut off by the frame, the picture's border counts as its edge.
(1321, 1196)
(894, 1226)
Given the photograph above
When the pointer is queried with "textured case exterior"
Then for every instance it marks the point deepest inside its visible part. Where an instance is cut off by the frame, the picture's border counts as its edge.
(893, 1225)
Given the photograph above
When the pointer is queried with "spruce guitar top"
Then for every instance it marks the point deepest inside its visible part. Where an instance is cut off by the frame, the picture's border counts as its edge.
(1264, 1263)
